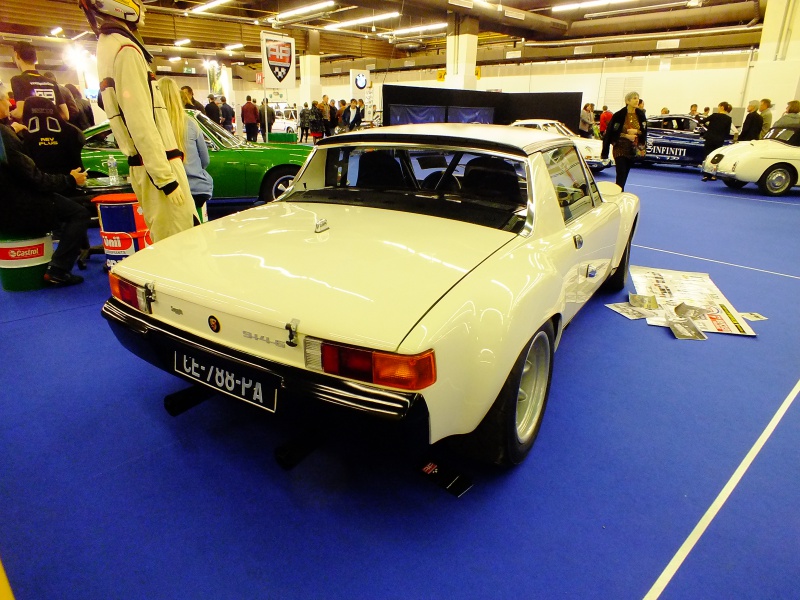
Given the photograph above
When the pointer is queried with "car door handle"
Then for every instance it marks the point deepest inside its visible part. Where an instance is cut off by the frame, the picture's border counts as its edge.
(591, 271)
(578, 241)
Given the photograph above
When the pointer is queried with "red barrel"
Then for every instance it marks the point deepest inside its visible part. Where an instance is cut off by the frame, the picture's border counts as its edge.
(122, 226)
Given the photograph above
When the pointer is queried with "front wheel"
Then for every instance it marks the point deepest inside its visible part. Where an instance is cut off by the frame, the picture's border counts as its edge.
(734, 184)
(277, 181)
(507, 432)
(777, 180)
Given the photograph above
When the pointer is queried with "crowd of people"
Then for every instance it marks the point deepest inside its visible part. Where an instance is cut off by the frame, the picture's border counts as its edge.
(322, 119)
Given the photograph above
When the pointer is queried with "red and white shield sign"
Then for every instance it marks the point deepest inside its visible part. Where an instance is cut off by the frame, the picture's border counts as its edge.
(279, 58)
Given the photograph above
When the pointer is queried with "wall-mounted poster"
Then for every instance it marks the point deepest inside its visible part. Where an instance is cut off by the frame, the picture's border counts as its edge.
(277, 58)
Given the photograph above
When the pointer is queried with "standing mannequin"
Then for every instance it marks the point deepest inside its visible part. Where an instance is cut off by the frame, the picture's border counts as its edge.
(138, 119)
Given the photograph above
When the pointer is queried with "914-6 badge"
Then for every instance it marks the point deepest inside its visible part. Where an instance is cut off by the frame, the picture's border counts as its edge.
(214, 324)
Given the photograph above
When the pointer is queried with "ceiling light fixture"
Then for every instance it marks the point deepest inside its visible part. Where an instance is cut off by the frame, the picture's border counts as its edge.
(418, 29)
(174, 58)
(209, 6)
(383, 17)
(636, 9)
(302, 11)
(588, 4)
(56, 31)
(80, 35)
(232, 47)
(182, 42)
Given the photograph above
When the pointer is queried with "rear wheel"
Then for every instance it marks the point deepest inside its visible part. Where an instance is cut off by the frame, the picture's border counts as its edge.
(276, 182)
(777, 180)
(734, 184)
(507, 432)
(616, 282)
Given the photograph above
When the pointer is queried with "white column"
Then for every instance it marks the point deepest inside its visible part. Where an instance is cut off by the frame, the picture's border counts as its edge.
(310, 85)
(776, 73)
(462, 52)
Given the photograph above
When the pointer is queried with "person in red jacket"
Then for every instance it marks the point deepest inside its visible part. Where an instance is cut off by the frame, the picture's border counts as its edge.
(250, 119)
(605, 117)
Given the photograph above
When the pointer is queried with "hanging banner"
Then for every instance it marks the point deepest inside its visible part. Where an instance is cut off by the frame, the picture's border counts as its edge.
(277, 58)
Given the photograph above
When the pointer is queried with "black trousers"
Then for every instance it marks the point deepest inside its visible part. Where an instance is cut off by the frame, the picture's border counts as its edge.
(251, 131)
(623, 166)
(74, 221)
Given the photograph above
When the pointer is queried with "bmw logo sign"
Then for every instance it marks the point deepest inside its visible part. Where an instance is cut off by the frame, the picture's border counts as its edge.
(361, 81)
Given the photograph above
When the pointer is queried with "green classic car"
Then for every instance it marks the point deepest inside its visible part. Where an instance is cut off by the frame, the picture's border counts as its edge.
(239, 169)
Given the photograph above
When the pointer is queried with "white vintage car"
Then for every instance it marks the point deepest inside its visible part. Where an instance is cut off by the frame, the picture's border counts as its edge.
(591, 149)
(772, 163)
(412, 270)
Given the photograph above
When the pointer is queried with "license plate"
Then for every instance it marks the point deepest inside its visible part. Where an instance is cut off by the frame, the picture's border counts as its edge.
(229, 378)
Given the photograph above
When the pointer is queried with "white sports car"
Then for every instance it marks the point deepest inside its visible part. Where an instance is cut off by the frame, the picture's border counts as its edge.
(411, 270)
(591, 149)
(773, 162)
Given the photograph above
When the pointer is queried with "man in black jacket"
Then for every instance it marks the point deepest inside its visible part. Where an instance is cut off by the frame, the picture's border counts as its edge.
(751, 129)
(31, 203)
(212, 110)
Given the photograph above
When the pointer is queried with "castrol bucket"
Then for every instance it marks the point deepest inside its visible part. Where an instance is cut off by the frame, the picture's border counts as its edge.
(23, 262)
(122, 226)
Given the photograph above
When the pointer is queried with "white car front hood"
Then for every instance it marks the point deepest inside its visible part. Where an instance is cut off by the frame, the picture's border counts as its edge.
(761, 149)
(366, 280)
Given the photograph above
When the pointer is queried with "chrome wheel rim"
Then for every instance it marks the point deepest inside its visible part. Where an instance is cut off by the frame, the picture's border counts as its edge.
(778, 180)
(281, 185)
(533, 386)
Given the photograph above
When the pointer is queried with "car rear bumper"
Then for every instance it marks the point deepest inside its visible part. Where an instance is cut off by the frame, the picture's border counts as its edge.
(599, 163)
(160, 344)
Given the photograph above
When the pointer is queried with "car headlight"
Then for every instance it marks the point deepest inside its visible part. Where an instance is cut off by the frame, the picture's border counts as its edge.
(400, 371)
(717, 158)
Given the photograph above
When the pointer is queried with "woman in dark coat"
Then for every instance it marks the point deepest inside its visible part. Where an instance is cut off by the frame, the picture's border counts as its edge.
(627, 130)
(317, 122)
(718, 128)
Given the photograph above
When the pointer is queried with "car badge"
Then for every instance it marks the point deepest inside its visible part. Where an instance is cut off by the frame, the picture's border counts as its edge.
(292, 329)
(321, 225)
(214, 324)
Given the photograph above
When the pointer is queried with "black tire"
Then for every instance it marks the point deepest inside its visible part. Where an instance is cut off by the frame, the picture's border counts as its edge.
(507, 432)
(617, 280)
(289, 130)
(276, 182)
(734, 184)
(777, 180)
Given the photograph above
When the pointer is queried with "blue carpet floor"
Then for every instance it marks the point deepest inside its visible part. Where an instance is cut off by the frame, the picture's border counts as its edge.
(104, 495)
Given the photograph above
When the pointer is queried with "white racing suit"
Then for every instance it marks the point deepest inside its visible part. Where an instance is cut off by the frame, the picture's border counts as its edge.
(141, 126)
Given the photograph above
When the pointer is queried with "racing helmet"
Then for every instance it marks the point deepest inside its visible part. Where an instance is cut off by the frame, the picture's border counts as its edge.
(125, 10)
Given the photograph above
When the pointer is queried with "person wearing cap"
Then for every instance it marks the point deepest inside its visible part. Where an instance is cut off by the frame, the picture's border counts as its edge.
(751, 128)
(766, 116)
(138, 118)
(32, 83)
(212, 110)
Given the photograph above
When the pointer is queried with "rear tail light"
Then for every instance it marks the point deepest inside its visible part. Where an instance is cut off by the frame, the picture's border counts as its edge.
(137, 296)
(399, 371)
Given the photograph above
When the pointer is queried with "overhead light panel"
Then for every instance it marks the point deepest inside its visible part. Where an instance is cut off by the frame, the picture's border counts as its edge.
(182, 42)
(232, 47)
(412, 30)
(636, 9)
(461, 3)
(174, 58)
(80, 35)
(588, 4)
(303, 10)
(209, 6)
(56, 31)
(343, 24)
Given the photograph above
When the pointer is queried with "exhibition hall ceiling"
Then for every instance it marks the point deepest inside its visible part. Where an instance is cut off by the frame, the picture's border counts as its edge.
(391, 31)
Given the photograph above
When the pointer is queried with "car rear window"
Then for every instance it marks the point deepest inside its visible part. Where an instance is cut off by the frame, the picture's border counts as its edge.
(465, 185)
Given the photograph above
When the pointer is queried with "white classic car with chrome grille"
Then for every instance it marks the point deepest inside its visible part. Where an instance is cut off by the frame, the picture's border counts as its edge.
(412, 270)
(591, 148)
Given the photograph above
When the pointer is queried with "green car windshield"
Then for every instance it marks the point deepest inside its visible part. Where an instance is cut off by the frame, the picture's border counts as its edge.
(218, 134)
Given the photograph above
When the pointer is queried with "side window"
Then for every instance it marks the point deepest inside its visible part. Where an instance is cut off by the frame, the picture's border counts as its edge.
(573, 190)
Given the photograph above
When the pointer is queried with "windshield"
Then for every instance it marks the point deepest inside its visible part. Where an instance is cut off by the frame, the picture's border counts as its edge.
(464, 185)
(219, 135)
(790, 135)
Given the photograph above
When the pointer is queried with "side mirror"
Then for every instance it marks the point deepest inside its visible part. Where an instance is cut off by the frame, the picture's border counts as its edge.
(608, 188)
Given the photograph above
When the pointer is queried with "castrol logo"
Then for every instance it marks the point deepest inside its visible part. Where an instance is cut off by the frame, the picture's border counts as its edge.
(22, 252)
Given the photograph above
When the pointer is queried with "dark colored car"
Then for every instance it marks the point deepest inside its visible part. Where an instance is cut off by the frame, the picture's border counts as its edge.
(675, 140)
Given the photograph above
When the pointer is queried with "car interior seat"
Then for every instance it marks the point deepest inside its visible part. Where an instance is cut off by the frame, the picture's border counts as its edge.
(434, 182)
(491, 176)
(379, 169)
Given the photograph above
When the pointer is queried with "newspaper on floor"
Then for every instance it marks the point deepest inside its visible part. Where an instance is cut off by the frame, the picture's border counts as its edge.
(751, 316)
(631, 312)
(691, 293)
